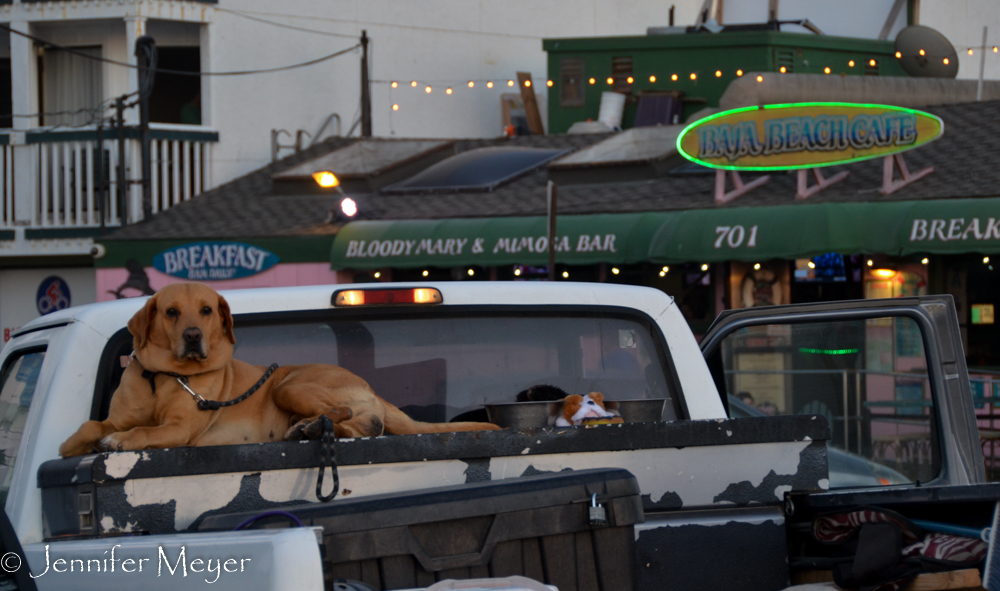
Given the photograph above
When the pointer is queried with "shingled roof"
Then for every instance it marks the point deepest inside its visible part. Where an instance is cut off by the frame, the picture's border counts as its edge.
(966, 163)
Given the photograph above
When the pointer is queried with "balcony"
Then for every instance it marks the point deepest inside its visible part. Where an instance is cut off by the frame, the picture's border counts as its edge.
(68, 183)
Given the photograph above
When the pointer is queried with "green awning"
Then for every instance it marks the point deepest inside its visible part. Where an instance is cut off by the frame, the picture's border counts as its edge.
(580, 240)
(944, 226)
(940, 226)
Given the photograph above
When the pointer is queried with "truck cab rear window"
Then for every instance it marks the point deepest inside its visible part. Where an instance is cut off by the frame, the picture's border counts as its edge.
(438, 368)
(17, 388)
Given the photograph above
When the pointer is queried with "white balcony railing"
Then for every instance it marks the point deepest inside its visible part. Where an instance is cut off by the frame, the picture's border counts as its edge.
(71, 178)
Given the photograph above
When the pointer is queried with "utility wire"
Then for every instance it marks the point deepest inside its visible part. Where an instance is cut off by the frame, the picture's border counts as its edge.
(284, 26)
(177, 72)
(391, 25)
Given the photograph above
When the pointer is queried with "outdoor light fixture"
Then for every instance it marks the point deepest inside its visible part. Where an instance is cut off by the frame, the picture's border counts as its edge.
(986, 260)
(630, 80)
(756, 267)
(899, 55)
(921, 53)
(870, 263)
(739, 72)
(851, 63)
(349, 207)
(565, 274)
(395, 107)
(592, 81)
(826, 70)
(694, 76)
(760, 78)
(662, 274)
(489, 84)
(426, 273)
(994, 49)
(871, 63)
(527, 83)
(665, 270)
(326, 179)
(472, 84)
(395, 84)
(448, 90)
(946, 61)
(517, 272)
(510, 83)
(427, 90)
(704, 267)
(611, 80)
(782, 69)
(673, 77)
(377, 274)
(718, 73)
(413, 84)
(549, 83)
(652, 78)
(884, 273)
(614, 270)
(811, 265)
(471, 272)
(924, 261)
(970, 52)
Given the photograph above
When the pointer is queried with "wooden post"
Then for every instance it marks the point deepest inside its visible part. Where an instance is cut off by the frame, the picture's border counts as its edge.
(530, 104)
(552, 230)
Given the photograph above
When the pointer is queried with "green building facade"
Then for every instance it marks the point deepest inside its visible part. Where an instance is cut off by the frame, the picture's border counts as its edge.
(696, 67)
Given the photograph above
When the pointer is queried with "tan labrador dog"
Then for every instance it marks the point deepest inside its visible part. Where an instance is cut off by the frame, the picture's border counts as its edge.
(186, 329)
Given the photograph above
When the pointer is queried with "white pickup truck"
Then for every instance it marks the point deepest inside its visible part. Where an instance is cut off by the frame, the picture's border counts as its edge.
(821, 400)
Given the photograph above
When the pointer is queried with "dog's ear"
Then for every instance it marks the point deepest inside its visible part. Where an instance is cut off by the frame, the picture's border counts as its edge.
(598, 398)
(227, 319)
(141, 322)
(571, 404)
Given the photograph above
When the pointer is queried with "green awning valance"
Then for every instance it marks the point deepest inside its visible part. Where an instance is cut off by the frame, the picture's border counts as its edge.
(580, 240)
(949, 226)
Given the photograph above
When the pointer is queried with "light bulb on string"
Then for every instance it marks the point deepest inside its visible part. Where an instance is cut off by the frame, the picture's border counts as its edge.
(510, 83)
(673, 77)
(413, 84)
(489, 84)
(472, 84)
(652, 78)
(427, 90)
(394, 84)
(527, 83)
(395, 107)
(448, 90)
(549, 83)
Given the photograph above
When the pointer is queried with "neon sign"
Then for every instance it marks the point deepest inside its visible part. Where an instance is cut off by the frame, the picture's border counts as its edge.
(805, 135)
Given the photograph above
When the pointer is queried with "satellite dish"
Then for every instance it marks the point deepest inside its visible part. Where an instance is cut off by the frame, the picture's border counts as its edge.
(925, 53)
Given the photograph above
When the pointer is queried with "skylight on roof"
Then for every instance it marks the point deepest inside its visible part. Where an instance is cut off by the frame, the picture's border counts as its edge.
(482, 169)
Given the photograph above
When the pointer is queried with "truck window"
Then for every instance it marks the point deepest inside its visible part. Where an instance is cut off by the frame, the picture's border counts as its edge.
(17, 388)
(435, 368)
(867, 377)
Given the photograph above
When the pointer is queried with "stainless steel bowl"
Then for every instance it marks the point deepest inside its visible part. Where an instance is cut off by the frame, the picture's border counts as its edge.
(523, 415)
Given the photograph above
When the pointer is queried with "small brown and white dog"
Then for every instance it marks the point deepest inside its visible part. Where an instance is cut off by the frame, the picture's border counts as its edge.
(584, 410)
(186, 330)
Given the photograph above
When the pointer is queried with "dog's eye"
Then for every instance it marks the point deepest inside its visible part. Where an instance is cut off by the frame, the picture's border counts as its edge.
(206, 311)
(173, 313)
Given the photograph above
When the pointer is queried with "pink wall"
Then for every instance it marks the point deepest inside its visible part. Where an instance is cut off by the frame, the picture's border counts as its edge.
(281, 275)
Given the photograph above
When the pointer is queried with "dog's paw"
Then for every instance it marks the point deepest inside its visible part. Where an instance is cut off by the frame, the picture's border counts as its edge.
(311, 428)
(116, 442)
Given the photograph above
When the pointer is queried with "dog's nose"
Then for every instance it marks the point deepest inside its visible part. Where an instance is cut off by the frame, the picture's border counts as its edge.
(192, 335)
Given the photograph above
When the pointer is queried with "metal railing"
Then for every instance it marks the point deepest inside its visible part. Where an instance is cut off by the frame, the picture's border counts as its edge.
(73, 179)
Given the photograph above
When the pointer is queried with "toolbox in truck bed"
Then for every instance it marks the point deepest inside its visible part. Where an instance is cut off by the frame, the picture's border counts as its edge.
(536, 526)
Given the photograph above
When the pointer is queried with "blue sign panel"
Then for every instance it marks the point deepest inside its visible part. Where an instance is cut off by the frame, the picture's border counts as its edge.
(214, 261)
(52, 295)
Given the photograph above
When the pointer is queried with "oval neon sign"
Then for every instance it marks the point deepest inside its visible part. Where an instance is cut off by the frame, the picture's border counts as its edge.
(805, 135)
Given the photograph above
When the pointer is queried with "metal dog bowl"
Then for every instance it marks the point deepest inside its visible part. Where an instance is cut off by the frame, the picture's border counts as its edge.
(523, 415)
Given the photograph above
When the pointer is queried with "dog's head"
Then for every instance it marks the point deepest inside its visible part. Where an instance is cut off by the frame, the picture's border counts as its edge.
(184, 328)
(576, 407)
